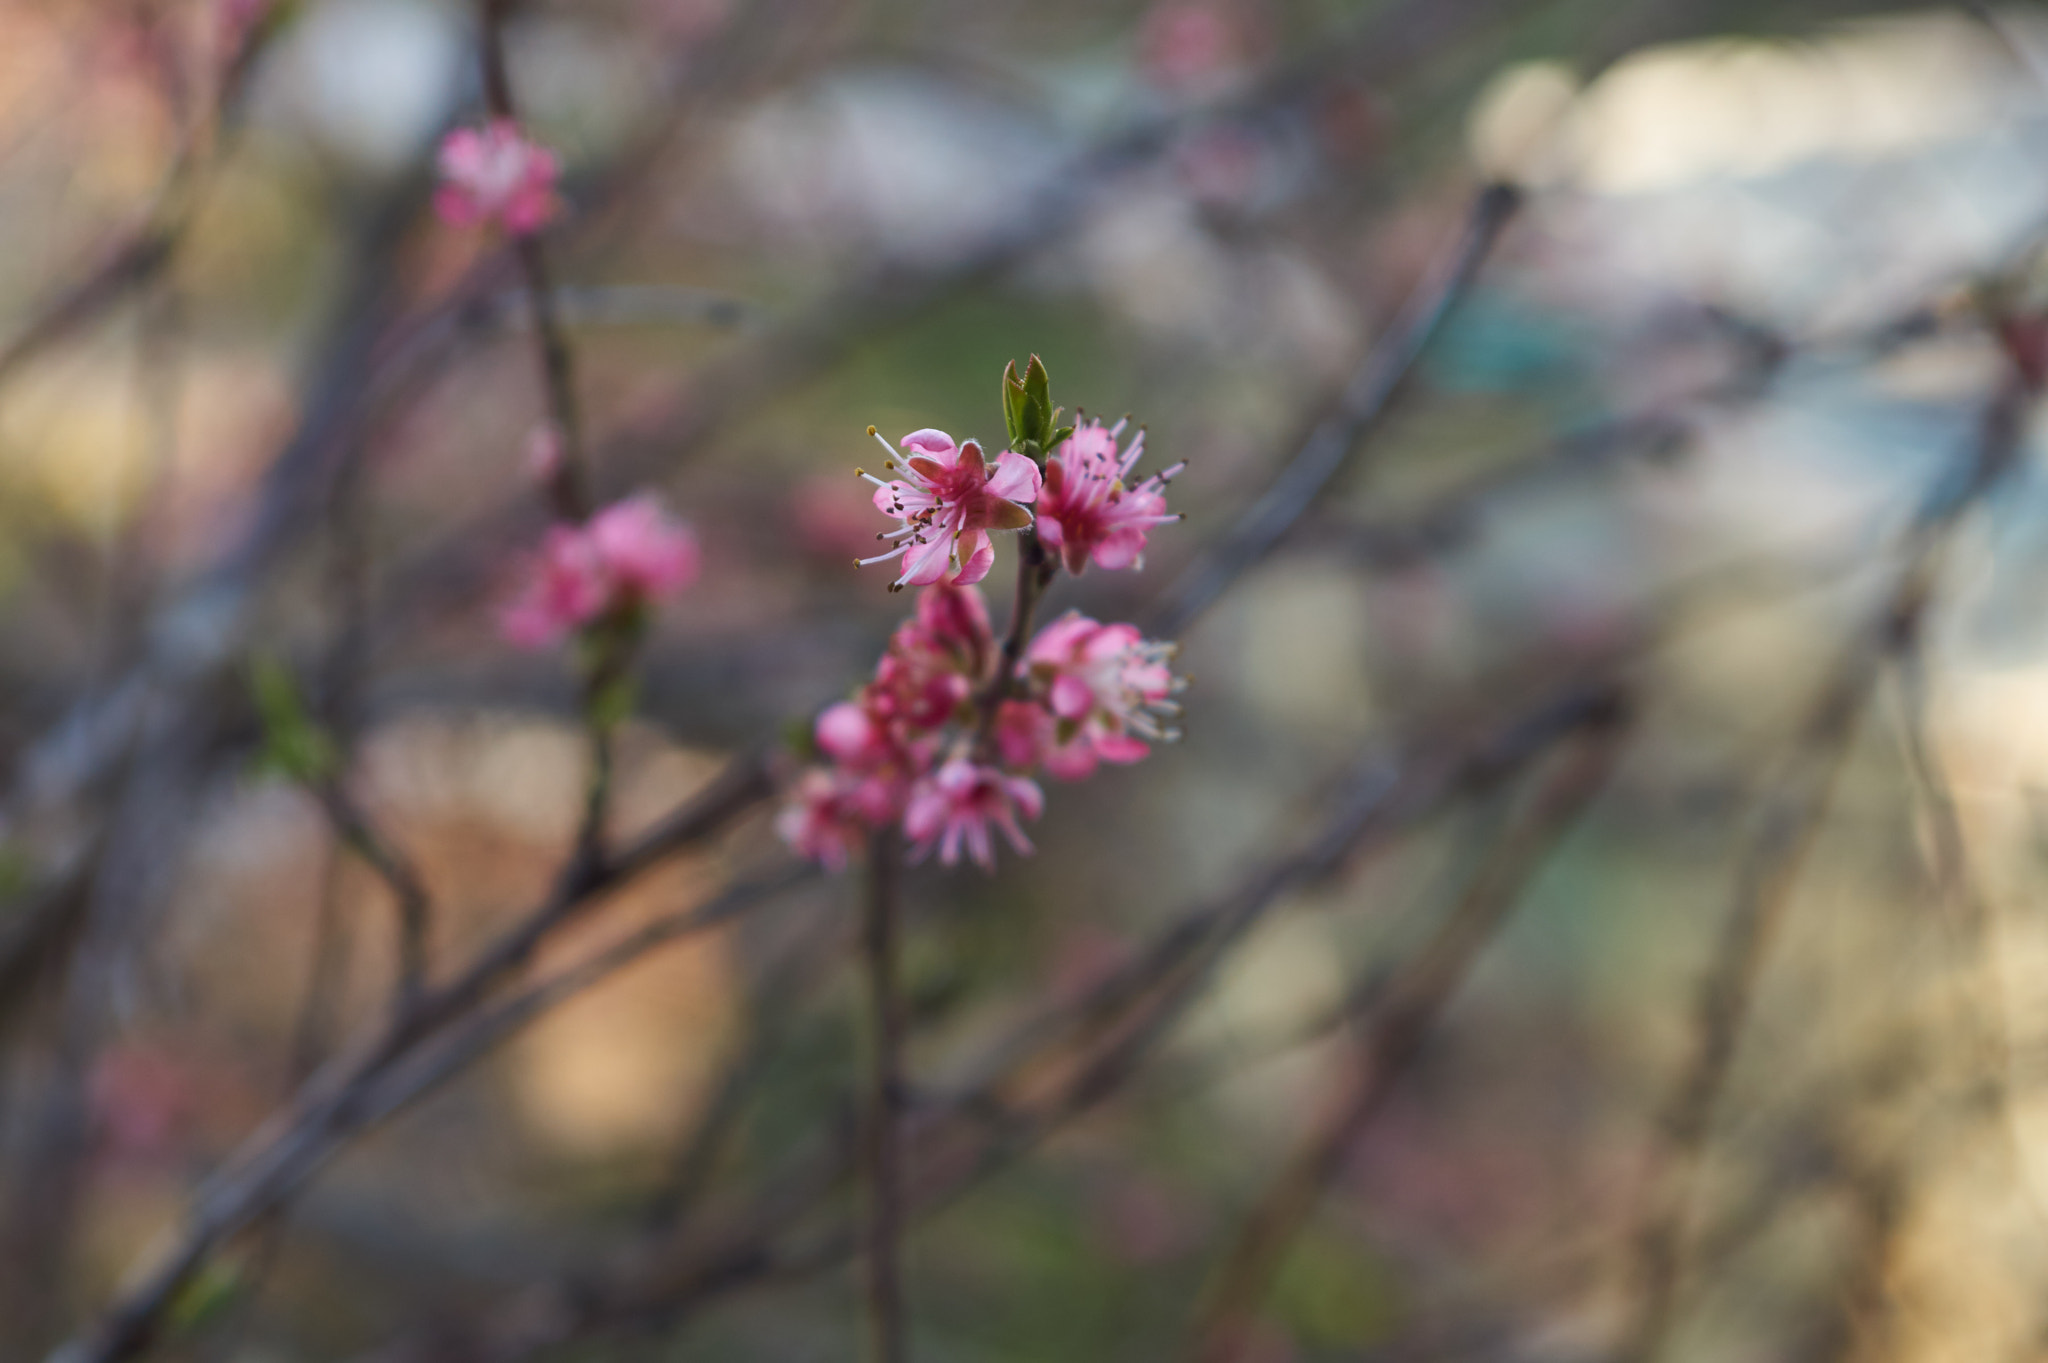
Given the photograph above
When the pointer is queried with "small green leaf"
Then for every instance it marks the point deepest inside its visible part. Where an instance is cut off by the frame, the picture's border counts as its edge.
(1058, 438)
(1038, 409)
(612, 703)
(211, 1291)
(293, 745)
(801, 738)
(1015, 401)
(1038, 390)
(17, 871)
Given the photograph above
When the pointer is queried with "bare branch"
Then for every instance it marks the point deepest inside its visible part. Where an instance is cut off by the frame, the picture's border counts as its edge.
(1364, 400)
(1389, 1039)
(1784, 828)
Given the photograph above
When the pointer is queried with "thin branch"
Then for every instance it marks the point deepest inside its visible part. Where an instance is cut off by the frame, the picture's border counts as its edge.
(1109, 1032)
(881, 1156)
(483, 1031)
(1390, 1038)
(335, 1103)
(410, 900)
(149, 247)
(569, 485)
(1785, 826)
(1364, 400)
(1035, 571)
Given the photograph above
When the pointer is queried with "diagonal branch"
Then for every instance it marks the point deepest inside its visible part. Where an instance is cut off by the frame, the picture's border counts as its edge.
(1359, 408)
(1785, 827)
(1389, 1039)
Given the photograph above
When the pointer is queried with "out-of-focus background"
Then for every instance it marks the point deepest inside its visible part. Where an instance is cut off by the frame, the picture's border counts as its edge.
(1732, 422)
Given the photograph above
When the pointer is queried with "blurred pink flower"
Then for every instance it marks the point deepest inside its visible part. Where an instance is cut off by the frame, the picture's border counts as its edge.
(954, 620)
(643, 548)
(1085, 511)
(629, 553)
(1190, 48)
(830, 815)
(827, 522)
(958, 804)
(141, 1098)
(1024, 734)
(846, 734)
(914, 684)
(495, 174)
(1106, 685)
(689, 20)
(543, 452)
(948, 500)
(566, 587)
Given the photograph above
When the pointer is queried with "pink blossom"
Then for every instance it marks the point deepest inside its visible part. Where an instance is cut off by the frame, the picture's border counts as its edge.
(831, 814)
(495, 174)
(566, 587)
(1023, 734)
(1192, 48)
(954, 620)
(958, 804)
(543, 452)
(948, 499)
(934, 661)
(1028, 735)
(1108, 689)
(1086, 512)
(629, 553)
(845, 733)
(645, 550)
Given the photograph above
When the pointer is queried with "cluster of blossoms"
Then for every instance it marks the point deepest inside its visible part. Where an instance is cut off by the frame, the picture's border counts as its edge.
(496, 174)
(912, 748)
(949, 498)
(610, 566)
(943, 742)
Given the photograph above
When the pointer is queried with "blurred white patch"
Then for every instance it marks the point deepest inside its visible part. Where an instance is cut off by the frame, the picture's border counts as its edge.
(1820, 187)
(887, 161)
(1301, 652)
(1149, 257)
(581, 87)
(1670, 115)
(369, 80)
(1523, 126)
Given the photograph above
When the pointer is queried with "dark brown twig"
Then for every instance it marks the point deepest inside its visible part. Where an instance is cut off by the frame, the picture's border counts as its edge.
(1035, 572)
(337, 1102)
(568, 486)
(881, 1154)
(1328, 448)
(1106, 1035)
(410, 900)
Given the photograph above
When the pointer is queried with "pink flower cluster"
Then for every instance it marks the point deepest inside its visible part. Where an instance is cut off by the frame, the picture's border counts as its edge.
(1087, 512)
(909, 749)
(630, 553)
(496, 174)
